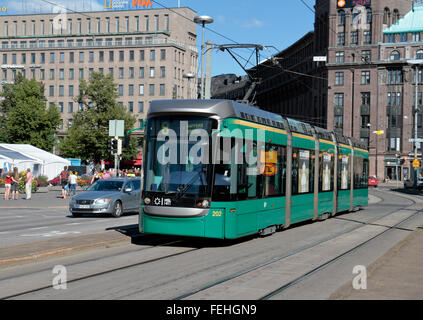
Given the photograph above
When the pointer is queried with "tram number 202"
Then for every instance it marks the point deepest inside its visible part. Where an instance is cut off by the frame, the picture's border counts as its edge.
(216, 213)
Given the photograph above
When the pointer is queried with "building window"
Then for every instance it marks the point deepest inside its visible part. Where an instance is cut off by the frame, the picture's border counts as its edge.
(341, 38)
(162, 89)
(141, 90)
(71, 57)
(354, 37)
(366, 56)
(339, 78)
(367, 37)
(131, 106)
(121, 73)
(142, 55)
(131, 72)
(121, 55)
(365, 77)
(394, 76)
(152, 72)
(111, 56)
(386, 15)
(140, 106)
(403, 37)
(339, 112)
(131, 90)
(81, 57)
(152, 89)
(369, 15)
(365, 98)
(121, 90)
(163, 54)
(416, 36)
(163, 72)
(419, 54)
(153, 55)
(341, 17)
(395, 55)
(141, 72)
(51, 91)
(70, 107)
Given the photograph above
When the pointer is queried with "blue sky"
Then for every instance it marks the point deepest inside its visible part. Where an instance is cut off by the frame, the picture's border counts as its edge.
(277, 23)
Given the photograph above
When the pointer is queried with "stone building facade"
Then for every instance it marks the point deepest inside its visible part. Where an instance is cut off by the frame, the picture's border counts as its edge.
(147, 51)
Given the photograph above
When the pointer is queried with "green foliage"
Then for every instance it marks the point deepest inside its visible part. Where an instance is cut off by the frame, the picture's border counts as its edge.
(88, 136)
(25, 118)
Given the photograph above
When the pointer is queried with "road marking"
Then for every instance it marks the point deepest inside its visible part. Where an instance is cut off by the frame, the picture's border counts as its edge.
(51, 234)
(39, 228)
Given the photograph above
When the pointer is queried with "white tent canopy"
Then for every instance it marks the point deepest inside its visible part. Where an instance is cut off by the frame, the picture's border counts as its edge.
(10, 159)
(39, 161)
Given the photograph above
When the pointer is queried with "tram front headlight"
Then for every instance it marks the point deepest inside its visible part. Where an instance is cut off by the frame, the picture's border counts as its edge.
(147, 201)
(205, 203)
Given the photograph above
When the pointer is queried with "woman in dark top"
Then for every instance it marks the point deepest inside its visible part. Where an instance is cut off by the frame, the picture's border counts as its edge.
(15, 184)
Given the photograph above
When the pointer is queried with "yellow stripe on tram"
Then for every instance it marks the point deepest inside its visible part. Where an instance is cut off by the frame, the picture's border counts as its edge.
(258, 126)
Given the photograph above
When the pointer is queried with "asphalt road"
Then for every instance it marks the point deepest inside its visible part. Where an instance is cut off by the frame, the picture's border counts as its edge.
(250, 268)
(46, 216)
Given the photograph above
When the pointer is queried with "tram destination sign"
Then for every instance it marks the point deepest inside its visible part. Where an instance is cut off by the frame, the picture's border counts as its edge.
(342, 4)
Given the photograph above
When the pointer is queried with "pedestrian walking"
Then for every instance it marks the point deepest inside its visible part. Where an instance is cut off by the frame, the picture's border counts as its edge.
(7, 185)
(72, 182)
(15, 184)
(64, 181)
(28, 184)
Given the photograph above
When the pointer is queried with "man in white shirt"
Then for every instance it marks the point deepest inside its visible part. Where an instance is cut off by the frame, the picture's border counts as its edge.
(72, 182)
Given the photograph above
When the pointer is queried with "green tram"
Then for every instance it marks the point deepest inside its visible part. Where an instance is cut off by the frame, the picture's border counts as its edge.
(261, 172)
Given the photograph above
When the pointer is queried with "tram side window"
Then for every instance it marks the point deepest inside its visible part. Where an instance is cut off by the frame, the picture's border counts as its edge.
(326, 175)
(302, 171)
(358, 170)
(344, 181)
(223, 180)
(365, 174)
(274, 170)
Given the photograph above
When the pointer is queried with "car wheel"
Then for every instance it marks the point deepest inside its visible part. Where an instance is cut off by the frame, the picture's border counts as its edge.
(117, 210)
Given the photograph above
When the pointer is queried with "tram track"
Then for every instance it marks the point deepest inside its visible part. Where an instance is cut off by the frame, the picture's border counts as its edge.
(93, 275)
(361, 224)
(164, 241)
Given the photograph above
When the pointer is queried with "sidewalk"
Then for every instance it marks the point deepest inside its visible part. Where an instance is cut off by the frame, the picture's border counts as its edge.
(397, 275)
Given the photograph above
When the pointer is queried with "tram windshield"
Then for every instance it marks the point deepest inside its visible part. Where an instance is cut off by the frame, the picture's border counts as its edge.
(178, 156)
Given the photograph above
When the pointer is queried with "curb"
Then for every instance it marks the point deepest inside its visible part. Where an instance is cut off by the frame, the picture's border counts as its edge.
(121, 238)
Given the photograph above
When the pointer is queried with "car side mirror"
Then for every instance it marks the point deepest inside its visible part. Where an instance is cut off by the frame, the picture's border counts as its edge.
(127, 190)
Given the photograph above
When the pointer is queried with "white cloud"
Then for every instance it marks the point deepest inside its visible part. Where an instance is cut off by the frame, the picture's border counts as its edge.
(253, 23)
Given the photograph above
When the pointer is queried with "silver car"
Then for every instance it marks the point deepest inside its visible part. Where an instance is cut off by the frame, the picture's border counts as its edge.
(109, 196)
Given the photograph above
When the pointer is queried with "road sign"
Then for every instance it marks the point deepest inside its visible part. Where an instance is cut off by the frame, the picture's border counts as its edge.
(379, 132)
(116, 128)
(319, 58)
(416, 163)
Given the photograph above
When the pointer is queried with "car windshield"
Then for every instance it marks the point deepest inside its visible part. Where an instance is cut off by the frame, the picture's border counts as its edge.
(106, 185)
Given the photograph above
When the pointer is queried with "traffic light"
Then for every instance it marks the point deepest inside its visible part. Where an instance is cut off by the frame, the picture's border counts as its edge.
(114, 145)
(109, 146)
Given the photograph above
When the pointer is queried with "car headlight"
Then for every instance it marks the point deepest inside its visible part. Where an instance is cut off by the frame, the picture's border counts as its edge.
(102, 201)
(147, 201)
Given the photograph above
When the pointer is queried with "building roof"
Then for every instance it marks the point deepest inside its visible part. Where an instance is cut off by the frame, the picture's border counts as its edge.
(411, 22)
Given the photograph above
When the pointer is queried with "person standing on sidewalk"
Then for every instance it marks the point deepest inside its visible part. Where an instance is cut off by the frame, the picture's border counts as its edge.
(72, 182)
(64, 181)
(28, 184)
(15, 184)
(7, 185)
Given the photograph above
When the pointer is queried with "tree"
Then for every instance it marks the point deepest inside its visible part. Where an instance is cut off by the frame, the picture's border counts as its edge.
(87, 137)
(25, 117)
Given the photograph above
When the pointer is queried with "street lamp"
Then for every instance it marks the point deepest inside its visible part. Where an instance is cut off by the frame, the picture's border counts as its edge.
(189, 76)
(203, 20)
(416, 63)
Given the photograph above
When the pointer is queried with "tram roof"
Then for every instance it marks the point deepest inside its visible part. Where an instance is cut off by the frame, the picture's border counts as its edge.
(219, 107)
